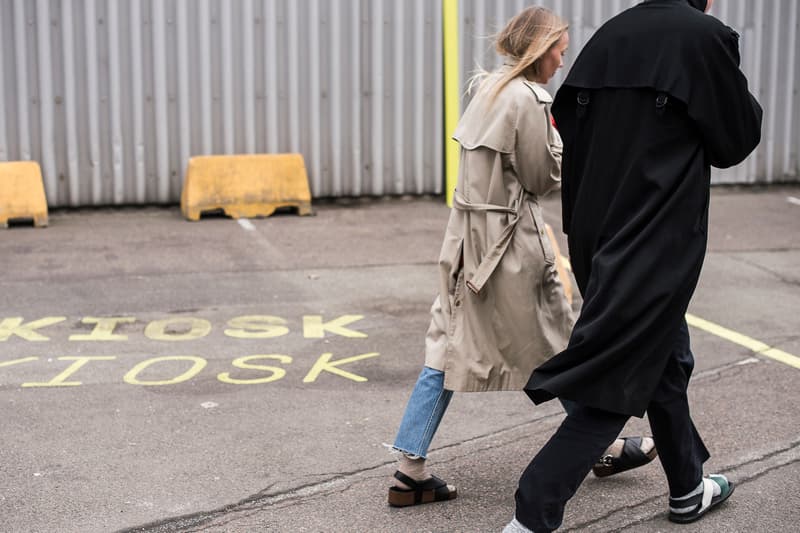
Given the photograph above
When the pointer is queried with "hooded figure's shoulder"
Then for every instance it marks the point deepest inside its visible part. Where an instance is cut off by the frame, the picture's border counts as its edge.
(662, 45)
(719, 38)
(650, 25)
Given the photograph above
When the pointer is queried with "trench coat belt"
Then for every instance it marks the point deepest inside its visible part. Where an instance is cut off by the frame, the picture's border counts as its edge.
(495, 252)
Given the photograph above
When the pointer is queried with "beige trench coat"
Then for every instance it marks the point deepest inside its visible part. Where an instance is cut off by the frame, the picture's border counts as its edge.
(501, 309)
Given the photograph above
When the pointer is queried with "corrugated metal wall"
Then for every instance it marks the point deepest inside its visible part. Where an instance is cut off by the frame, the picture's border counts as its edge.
(770, 60)
(113, 96)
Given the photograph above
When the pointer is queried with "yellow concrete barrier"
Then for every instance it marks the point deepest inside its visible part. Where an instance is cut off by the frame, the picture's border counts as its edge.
(245, 186)
(22, 193)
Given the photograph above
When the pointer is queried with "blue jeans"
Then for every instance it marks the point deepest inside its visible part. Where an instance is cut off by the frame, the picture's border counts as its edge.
(424, 412)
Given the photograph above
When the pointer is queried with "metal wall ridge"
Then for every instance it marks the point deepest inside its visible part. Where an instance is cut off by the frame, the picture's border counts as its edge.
(770, 60)
(112, 97)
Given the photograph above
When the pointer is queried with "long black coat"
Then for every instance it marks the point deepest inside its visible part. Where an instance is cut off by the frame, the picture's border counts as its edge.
(652, 101)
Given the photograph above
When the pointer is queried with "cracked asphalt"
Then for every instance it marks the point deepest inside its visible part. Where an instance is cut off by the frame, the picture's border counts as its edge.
(158, 375)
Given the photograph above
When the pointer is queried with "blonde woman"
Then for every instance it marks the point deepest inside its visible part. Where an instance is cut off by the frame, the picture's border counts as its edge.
(501, 309)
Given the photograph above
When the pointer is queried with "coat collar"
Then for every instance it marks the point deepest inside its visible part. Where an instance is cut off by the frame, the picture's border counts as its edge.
(541, 93)
(697, 4)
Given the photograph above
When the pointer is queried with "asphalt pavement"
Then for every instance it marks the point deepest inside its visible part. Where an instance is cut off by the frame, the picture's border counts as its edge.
(160, 375)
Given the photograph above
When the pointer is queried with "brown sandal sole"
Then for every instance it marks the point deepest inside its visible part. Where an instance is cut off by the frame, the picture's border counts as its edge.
(431, 490)
(405, 497)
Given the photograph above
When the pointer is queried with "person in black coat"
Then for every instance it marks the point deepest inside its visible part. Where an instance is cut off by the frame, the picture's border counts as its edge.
(654, 99)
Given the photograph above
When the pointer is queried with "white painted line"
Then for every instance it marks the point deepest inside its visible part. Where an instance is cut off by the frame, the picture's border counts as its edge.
(793, 200)
(246, 224)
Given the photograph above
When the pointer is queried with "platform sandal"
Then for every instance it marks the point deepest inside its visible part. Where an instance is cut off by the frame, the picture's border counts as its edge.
(631, 457)
(431, 490)
(686, 510)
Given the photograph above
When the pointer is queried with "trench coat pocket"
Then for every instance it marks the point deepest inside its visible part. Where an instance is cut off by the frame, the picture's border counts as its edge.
(456, 300)
(456, 268)
(544, 240)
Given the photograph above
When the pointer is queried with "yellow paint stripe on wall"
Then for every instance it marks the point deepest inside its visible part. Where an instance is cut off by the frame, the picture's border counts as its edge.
(743, 340)
(452, 94)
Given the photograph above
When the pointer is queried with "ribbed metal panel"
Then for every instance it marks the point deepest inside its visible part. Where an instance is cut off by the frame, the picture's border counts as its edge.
(112, 97)
(770, 60)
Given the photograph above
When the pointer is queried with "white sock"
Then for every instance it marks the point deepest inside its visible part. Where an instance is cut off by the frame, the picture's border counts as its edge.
(413, 467)
(717, 488)
(515, 526)
(615, 450)
(699, 490)
(695, 492)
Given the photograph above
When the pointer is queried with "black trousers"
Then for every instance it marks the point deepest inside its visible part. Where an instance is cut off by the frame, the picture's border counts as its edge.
(555, 473)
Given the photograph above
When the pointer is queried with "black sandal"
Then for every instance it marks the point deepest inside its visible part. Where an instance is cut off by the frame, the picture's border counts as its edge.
(631, 457)
(431, 490)
(690, 509)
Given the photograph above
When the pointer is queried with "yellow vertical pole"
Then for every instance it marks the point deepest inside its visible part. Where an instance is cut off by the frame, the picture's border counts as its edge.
(452, 96)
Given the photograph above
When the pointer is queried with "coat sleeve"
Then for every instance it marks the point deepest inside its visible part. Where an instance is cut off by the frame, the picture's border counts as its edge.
(537, 152)
(727, 115)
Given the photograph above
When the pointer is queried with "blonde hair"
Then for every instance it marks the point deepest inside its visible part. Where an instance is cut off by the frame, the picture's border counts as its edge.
(524, 40)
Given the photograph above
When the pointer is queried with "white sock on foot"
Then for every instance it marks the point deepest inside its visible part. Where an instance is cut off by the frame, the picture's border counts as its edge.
(413, 467)
(515, 526)
(615, 450)
(695, 492)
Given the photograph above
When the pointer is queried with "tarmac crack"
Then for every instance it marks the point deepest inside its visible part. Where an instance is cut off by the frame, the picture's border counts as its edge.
(341, 482)
(736, 471)
(716, 373)
(777, 275)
